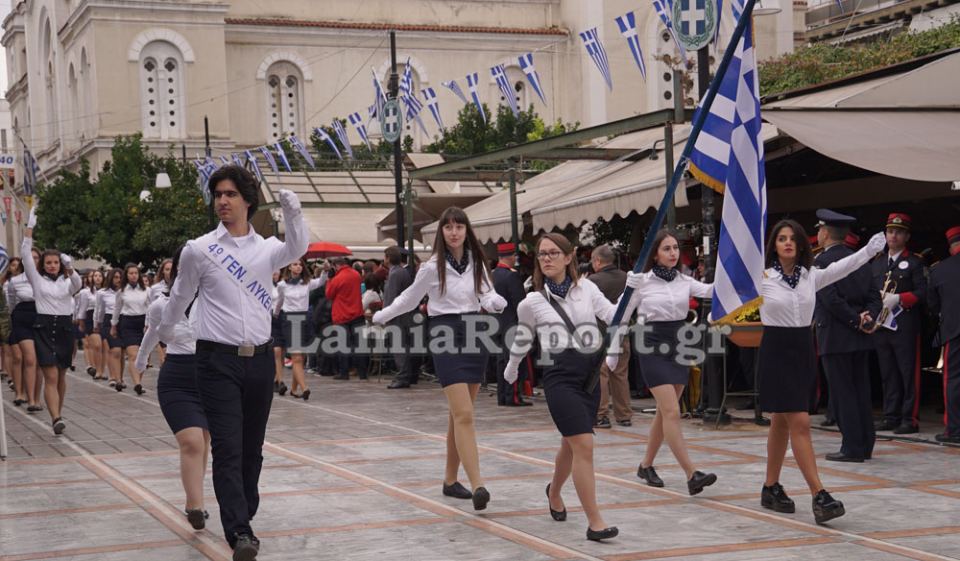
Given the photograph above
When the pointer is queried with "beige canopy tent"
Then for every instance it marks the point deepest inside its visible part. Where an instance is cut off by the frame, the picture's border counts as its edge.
(902, 125)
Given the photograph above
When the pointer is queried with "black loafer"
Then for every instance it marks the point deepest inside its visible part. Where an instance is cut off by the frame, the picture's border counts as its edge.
(649, 475)
(92, 371)
(775, 498)
(457, 491)
(605, 534)
(282, 389)
(197, 518)
(19, 402)
(480, 498)
(558, 515)
(826, 508)
(34, 408)
(700, 480)
(602, 423)
(906, 428)
(305, 395)
(139, 389)
(841, 457)
(245, 548)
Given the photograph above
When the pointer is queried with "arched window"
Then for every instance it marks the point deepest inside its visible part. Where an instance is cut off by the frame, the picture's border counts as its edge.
(161, 91)
(53, 115)
(73, 129)
(284, 100)
(84, 120)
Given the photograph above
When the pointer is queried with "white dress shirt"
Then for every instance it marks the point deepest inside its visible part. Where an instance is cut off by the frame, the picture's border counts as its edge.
(53, 297)
(658, 300)
(183, 342)
(156, 289)
(535, 314)
(460, 297)
(793, 307)
(225, 314)
(293, 298)
(19, 290)
(131, 301)
(103, 305)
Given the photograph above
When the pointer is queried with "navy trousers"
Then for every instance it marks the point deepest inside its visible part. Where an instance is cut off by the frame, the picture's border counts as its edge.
(849, 377)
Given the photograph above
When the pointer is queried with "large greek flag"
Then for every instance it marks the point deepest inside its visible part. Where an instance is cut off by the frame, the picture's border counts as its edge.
(728, 156)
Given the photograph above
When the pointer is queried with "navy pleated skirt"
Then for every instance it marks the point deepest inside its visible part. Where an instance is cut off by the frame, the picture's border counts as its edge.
(178, 394)
(788, 369)
(454, 364)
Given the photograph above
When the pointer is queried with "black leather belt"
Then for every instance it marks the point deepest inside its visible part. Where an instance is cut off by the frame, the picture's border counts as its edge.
(236, 350)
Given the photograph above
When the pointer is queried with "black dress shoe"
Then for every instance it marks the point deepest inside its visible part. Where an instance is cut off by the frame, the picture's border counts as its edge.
(625, 422)
(457, 491)
(59, 426)
(946, 438)
(34, 408)
(139, 389)
(91, 371)
(244, 548)
(605, 534)
(700, 480)
(19, 402)
(906, 428)
(826, 508)
(197, 518)
(649, 475)
(841, 457)
(776, 499)
(398, 384)
(602, 423)
(558, 515)
(480, 498)
(886, 425)
(305, 395)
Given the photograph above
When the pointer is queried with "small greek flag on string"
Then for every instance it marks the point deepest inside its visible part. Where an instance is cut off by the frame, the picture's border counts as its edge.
(628, 28)
(664, 8)
(302, 150)
(236, 159)
(224, 161)
(270, 159)
(716, 28)
(453, 86)
(30, 169)
(379, 98)
(526, 64)
(283, 156)
(591, 41)
(322, 135)
(500, 77)
(342, 137)
(254, 165)
(472, 82)
(357, 123)
(434, 105)
(4, 256)
(409, 96)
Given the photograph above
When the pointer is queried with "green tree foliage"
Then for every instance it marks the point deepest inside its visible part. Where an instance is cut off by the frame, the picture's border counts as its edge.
(471, 135)
(821, 62)
(106, 219)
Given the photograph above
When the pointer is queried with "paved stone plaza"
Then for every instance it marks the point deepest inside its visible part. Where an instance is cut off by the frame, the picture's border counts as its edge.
(354, 474)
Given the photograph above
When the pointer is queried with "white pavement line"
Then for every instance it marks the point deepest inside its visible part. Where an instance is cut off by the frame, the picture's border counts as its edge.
(144, 494)
(455, 512)
(720, 505)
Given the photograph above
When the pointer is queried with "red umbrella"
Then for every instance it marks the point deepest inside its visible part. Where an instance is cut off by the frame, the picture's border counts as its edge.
(322, 250)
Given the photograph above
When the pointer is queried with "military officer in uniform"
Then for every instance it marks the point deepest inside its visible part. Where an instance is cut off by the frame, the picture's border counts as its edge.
(843, 312)
(943, 297)
(902, 272)
(508, 282)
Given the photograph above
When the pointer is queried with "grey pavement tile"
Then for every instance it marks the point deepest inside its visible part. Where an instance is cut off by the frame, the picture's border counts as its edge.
(16, 473)
(947, 545)
(18, 500)
(845, 551)
(179, 553)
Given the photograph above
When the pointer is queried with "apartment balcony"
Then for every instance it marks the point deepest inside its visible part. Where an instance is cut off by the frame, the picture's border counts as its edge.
(829, 19)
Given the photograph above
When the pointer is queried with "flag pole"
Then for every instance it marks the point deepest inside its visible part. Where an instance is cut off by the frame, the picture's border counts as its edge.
(697, 125)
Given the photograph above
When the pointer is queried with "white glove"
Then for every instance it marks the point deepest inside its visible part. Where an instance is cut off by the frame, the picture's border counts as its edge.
(289, 201)
(510, 375)
(612, 361)
(377, 318)
(891, 301)
(32, 218)
(634, 279)
(66, 260)
(877, 243)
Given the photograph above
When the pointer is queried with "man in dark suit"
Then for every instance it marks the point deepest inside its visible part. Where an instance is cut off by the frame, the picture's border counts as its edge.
(398, 279)
(943, 297)
(898, 350)
(613, 384)
(508, 282)
(843, 312)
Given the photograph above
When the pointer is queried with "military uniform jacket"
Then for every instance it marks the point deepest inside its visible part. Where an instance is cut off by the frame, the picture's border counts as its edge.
(509, 284)
(943, 297)
(911, 281)
(837, 312)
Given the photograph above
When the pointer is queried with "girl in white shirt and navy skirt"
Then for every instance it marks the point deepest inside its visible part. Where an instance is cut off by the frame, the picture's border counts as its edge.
(161, 285)
(575, 354)
(662, 301)
(179, 397)
(130, 320)
(787, 358)
(103, 312)
(53, 290)
(86, 304)
(276, 338)
(23, 314)
(458, 285)
(293, 300)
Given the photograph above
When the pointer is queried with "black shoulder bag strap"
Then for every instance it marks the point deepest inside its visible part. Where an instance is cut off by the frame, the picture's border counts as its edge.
(590, 384)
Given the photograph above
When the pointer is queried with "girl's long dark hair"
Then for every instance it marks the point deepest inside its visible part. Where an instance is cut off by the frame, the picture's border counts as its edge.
(455, 215)
(804, 253)
(108, 281)
(663, 234)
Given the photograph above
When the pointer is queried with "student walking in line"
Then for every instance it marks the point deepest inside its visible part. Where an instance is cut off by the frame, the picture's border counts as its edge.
(130, 319)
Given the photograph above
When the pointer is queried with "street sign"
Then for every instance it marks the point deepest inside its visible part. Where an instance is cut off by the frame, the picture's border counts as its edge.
(391, 121)
(695, 22)
(8, 161)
